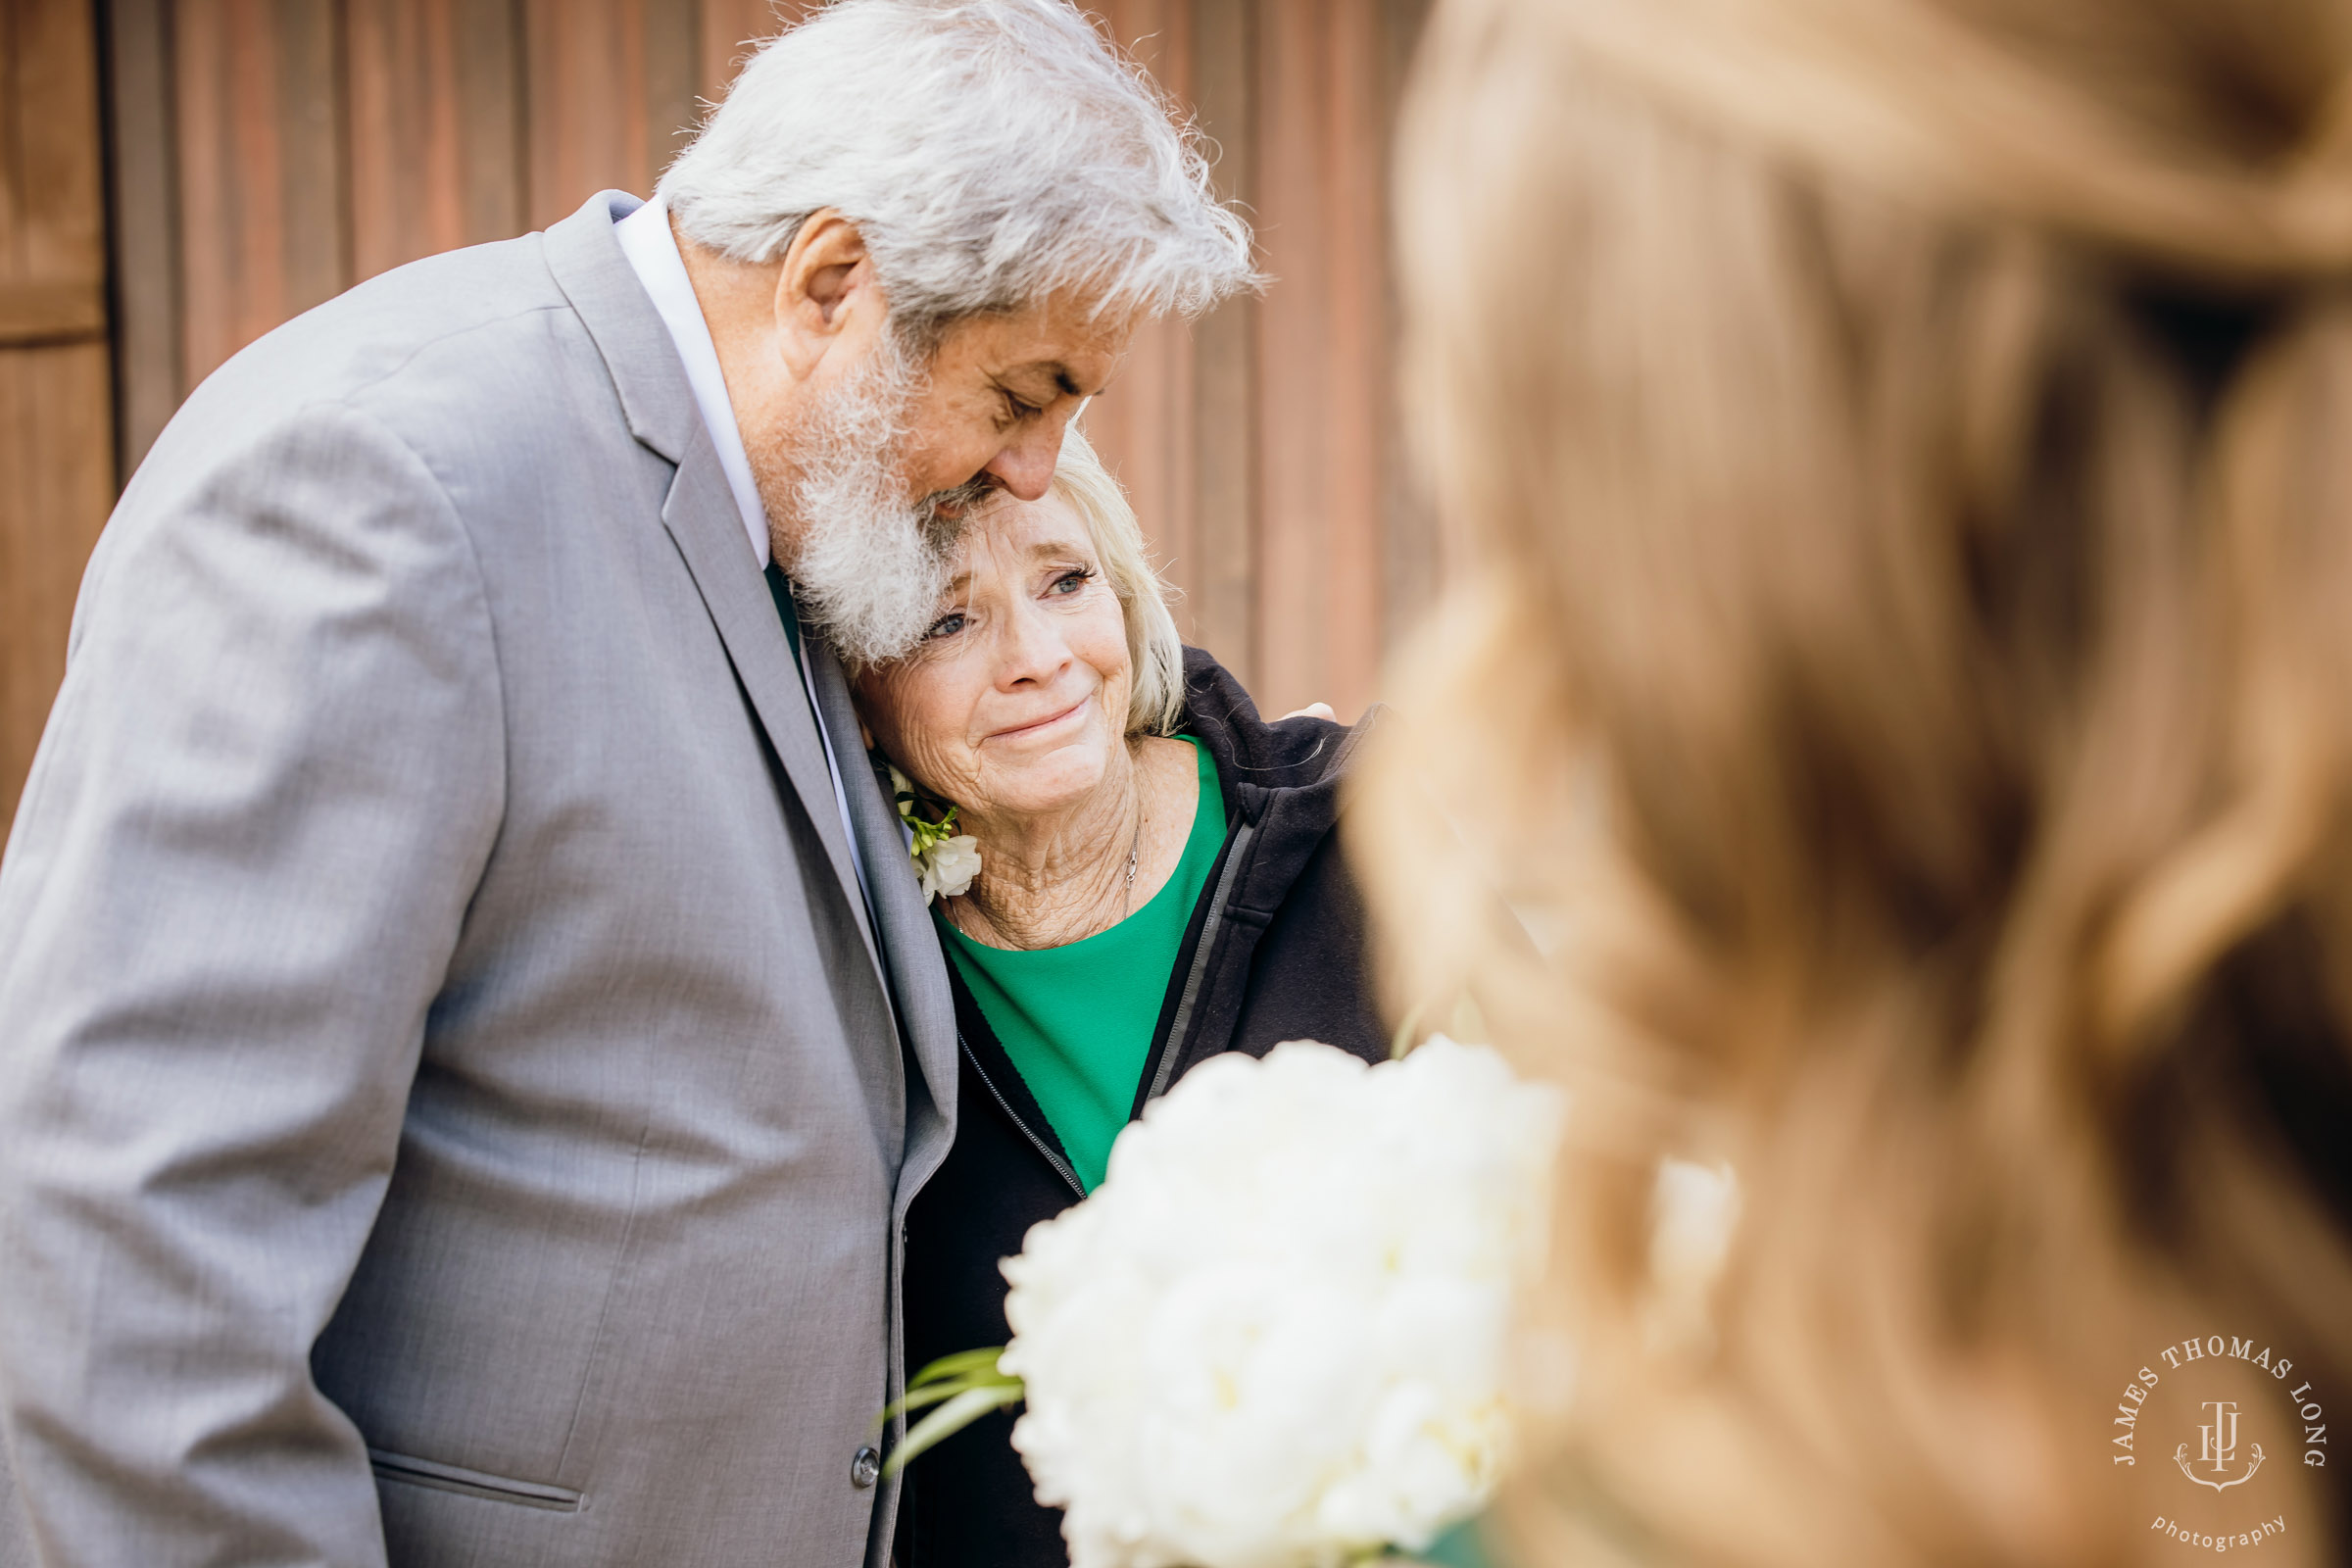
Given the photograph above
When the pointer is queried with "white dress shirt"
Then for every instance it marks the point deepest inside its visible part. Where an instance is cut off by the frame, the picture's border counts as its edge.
(653, 253)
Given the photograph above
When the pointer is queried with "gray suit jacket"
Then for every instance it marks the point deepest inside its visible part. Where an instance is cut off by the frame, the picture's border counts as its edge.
(454, 1108)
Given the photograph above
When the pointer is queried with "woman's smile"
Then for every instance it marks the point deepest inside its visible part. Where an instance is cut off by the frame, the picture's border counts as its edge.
(1051, 728)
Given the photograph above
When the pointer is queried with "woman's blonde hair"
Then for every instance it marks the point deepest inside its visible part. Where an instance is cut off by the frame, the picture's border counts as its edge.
(1154, 647)
(1889, 731)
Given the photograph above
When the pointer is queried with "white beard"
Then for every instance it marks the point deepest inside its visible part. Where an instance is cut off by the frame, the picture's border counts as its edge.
(867, 566)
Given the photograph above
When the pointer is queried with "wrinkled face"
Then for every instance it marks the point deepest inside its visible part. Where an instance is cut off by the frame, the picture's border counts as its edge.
(1017, 699)
(999, 392)
(868, 482)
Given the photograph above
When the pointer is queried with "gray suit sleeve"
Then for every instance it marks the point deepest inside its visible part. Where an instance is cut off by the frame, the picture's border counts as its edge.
(267, 789)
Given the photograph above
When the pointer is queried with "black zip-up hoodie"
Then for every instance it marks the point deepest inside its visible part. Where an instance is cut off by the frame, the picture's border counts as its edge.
(1275, 952)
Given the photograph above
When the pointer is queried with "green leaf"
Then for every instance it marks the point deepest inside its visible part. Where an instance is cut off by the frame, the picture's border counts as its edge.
(916, 1399)
(958, 1365)
(944, 1389)
(951, 1418)
(948, 1377)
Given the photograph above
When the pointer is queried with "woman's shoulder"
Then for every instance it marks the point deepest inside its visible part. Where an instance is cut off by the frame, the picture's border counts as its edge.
(1288, 754)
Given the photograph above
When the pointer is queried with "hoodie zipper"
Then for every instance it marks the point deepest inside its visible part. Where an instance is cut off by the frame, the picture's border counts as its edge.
(1061, 1166)
(1178, 1025)
(1182, 1022)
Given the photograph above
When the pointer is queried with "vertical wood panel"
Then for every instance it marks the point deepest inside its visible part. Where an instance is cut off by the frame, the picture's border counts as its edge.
(491, 97)
(670, 46)
(143, 215)
(56, 447)
(1177, 425)
(436, 130)
(586, 108)
(52, 223)
(312, 125)
(611, 89)
(1221, 581)
(56, 427)
(407, 179)
(1321, 368)
(263, 229)
(268, 152)
(730, 28)
(1143, 425)
(1410, 558)
(614, 92)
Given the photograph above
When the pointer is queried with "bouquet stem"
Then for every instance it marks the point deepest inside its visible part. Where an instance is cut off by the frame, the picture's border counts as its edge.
(965, 1387)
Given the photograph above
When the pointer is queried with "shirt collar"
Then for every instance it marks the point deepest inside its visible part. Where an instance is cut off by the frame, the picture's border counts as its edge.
(652, 251)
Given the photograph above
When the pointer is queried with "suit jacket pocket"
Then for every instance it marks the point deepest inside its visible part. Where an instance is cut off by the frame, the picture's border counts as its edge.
(409, 1470)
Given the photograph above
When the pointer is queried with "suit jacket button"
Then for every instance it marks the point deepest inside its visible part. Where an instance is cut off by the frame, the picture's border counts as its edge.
(865, 1468)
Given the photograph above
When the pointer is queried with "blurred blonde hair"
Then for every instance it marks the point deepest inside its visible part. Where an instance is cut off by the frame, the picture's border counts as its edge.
(1889, 731)
(1154, 647)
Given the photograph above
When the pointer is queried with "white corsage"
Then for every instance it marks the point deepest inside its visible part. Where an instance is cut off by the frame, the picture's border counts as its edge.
(945, 860)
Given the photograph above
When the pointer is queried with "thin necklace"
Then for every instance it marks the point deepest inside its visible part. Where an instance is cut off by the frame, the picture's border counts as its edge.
(955, 909)
(1133, 845)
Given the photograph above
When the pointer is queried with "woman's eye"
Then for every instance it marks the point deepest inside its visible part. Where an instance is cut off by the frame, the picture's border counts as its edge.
(1016, 409)
(947, 625)
(1069, 582)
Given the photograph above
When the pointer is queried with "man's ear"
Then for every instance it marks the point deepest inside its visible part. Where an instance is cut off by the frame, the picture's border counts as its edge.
(824, 290)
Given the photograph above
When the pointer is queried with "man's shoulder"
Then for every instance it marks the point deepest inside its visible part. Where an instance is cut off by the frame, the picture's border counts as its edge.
(488, 306)
(472, 352)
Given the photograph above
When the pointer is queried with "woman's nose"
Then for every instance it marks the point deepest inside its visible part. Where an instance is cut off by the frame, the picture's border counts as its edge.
(1031, 650)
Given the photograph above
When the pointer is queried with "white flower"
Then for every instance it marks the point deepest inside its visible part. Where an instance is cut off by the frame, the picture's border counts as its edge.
(1279, 1334)
(945, 860)
(948, 866)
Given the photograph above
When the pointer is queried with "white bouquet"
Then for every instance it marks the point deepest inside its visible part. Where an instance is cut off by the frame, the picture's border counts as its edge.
(1279, 1335)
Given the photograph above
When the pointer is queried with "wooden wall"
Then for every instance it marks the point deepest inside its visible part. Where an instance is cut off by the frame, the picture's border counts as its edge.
(263, 155)
(57, 468)
(1259, 443)
(268, 153)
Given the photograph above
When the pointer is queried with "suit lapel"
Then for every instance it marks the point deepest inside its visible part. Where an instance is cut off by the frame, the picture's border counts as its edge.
(927, 1009)
(700, 514)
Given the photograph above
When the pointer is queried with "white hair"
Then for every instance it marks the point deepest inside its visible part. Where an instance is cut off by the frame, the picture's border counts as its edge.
(991, 153)
(1154, 651)
(867, 561)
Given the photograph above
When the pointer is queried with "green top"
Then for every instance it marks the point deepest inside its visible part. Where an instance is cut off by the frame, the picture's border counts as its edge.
(1077, 1020)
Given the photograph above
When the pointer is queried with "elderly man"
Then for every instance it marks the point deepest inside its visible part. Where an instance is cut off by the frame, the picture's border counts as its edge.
(467, 1031)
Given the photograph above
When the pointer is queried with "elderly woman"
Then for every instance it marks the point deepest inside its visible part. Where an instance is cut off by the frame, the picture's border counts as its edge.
(1159, 881)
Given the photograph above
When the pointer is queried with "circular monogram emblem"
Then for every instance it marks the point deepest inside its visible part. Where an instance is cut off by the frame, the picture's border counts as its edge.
(2223, 1415)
